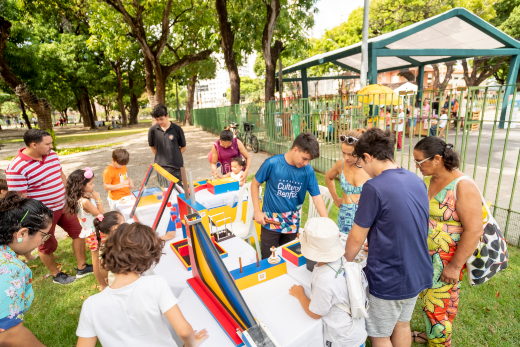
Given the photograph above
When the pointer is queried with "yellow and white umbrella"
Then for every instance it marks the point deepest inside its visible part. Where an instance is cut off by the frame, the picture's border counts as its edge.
(378, 95)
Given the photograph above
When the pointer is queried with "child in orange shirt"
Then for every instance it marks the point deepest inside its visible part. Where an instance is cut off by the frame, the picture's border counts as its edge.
(115, 178)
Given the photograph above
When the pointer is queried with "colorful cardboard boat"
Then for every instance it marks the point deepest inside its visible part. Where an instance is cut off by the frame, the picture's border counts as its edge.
(222, 185)
(216, 288)
(181, 250)
(293, 253)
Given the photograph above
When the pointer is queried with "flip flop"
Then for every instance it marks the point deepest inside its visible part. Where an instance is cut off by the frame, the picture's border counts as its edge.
(415, 335)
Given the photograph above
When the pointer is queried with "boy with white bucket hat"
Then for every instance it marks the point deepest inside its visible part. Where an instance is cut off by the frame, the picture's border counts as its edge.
(320, 242)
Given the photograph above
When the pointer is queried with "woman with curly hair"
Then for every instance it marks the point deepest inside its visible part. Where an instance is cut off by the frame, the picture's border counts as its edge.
(25, 225)
(86, 203)
(129, 311)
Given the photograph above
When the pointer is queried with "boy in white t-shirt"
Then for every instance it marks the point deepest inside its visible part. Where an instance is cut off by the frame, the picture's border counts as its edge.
(129, 312)
(443, 120)
(400, 126)
(320, 242)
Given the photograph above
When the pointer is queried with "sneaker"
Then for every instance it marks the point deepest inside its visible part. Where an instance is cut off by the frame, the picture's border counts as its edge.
(87, 270)
(399, 149)
(63, 278)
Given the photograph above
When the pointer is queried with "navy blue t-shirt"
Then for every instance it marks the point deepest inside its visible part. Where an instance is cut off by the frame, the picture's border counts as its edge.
(285, 190)
(394, 205)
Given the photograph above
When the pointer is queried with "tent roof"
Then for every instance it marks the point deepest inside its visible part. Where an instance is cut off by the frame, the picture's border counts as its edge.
(455, 34)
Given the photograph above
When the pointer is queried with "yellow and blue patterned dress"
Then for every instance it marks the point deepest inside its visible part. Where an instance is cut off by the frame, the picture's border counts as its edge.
(440, 303)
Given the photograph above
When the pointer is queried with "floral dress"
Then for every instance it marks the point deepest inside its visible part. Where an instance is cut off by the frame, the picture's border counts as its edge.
(440, 303)
(15, 289)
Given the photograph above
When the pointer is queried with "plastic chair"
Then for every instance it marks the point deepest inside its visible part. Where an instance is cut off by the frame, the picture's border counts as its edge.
(327, 198)
(240, 229)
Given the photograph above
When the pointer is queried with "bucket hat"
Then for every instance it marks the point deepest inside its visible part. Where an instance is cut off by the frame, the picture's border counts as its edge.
(320, 240)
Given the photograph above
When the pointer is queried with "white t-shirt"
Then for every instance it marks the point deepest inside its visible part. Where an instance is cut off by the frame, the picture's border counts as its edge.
(327, 291)
(237, 176)
(130, 316)
(400, 125)
(443, 119)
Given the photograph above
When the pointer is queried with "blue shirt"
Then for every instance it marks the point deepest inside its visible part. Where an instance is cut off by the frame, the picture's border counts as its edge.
(285, 190)
(16, 290)
(394, 205)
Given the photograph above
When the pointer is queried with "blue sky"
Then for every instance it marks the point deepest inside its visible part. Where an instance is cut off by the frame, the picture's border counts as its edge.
(331, 13)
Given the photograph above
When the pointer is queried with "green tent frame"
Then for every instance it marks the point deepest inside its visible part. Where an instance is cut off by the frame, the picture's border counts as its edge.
(377, 48)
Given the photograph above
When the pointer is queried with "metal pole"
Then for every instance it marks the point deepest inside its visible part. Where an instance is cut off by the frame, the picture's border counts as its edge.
(364, 46)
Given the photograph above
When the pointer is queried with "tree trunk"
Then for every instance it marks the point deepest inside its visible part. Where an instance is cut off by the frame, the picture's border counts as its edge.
(116, 66)
(149, 81)
(271, 54)
(280, 78)
(134, 103)
(94, 111)
(437, 83)
(107, 111)
(228, 40)
(24, 114)
(486, 70)
(85, 109)
(39, 106)
(189, 101)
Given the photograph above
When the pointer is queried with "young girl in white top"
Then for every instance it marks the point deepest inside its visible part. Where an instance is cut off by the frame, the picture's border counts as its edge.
(129, 312)
(237, 169)
(81, 199)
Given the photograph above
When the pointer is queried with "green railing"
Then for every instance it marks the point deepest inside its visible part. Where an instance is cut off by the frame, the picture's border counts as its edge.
(482, 129)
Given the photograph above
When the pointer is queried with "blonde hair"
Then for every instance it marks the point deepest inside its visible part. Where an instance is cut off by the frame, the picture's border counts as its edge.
(355, 133)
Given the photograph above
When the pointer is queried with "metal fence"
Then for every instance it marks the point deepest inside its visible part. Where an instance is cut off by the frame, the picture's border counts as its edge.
(473, 119)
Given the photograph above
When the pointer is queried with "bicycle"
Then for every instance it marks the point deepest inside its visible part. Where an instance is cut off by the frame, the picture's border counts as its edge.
(234, 129)
(249, 138)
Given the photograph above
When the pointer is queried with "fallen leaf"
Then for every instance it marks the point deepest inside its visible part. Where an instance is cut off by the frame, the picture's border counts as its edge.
(33, 266)
(497, 295)
(487, 309)
(491, 328)
(73, 313)
(94, 286)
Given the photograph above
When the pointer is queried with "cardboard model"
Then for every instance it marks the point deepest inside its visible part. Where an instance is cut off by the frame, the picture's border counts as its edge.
(216, 288)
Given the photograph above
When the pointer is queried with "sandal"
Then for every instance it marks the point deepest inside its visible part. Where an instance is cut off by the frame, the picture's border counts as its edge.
(416, 334)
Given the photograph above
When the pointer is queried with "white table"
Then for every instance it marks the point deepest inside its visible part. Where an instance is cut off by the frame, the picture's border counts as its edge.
(271, 304)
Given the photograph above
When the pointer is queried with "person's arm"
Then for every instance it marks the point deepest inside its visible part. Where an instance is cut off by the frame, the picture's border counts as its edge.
(131, 186)
(356, 239)
(182, 140)
(298, 292)
(63, 178)
(89, 207)
(260, 216)
(183, 329)
(469, 210)
(320, 206)
(214, 160)
(331, 184)
(154, 151)
(248, 159)
(183, 149)
(19, 335)
(110, 187)
(151, 140)
(17, 182)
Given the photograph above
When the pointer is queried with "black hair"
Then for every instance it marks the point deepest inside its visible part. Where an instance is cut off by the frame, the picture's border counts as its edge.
(159, 110)
(432, 146)
(76, 183)
(377, 143)
(226, 135)
(109, 220)
(13, 208)
(306, 142)
(34, 136)
(239, 160)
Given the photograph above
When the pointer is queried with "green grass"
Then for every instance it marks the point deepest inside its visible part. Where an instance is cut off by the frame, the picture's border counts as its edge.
(72, 150)
(94, 136)
(54, 314)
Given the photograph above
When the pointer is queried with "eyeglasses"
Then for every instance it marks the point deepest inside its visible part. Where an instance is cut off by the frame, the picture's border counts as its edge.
(356, 163)
(45, 237)
(348, 139)
(422, 161)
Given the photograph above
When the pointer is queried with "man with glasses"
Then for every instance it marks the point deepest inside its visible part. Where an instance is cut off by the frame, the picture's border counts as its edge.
(393, 216)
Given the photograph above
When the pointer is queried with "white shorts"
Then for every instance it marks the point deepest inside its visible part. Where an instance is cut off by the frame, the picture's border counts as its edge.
(113, 203)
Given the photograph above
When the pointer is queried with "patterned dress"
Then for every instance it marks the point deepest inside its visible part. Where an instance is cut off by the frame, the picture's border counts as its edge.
(441, 302)
(347, 212)
(15, 289)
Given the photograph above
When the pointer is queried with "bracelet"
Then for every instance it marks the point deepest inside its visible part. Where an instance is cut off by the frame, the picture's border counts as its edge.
(99, 202)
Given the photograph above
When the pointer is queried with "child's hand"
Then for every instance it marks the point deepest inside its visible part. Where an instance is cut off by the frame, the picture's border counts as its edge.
(96, 195)
(200, 337)
(297, 291)
(124, 184)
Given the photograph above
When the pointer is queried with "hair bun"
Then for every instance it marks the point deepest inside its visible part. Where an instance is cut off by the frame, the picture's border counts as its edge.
(10, 201)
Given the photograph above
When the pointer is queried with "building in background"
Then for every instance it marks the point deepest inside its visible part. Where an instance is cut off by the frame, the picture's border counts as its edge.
(213, 93)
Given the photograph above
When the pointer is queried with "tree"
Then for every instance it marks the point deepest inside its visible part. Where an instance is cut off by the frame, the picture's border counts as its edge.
(167, 36)
(508, 20)
(437, 83)
(286, 23)
(249, 86)
(202, 70)
(38, 105)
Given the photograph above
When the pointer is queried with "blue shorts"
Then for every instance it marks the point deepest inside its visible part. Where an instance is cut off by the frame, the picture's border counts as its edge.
(410, 122)
(346, 216)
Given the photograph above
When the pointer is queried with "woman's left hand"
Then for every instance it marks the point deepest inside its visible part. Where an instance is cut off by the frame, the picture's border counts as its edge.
(450, 274)
(243, 178)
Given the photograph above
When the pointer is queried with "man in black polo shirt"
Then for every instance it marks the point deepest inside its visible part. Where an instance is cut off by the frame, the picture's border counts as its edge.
(167, 142)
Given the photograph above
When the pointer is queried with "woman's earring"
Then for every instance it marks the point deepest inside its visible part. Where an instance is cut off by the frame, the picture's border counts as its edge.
(20, 240)
(436, 163)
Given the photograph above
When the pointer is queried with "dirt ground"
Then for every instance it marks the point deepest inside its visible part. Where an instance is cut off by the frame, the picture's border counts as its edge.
(198, 145)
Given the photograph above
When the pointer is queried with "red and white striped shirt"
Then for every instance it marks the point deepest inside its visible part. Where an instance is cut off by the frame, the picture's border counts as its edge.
(40, 179)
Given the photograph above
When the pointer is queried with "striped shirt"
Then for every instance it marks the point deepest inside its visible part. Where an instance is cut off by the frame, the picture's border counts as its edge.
(41, 180)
